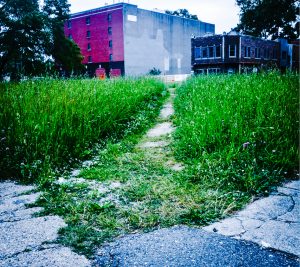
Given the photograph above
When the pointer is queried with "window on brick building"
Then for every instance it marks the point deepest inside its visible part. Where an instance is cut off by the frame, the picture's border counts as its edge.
(109, 17)
(110, 57)
(197, 52)
(88, 34)
(90, 59)
(232, 50)
(274, 53)
(247, 51)
(88, 21)
(211, 51)
(204, 52)
(69, 23)
(110, 44)
(256, 53)
(109, 30)
(218, 51)
(284, 55)
(89, 47)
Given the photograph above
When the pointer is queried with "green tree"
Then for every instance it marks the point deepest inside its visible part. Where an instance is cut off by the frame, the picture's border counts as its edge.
(184, 13)
(22, 38)
(269, 18)
(65, 52)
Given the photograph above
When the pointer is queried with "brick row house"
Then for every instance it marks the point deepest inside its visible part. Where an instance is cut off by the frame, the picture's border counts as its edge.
(233, 53)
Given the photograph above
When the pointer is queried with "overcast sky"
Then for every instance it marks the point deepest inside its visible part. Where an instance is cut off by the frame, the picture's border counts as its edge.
(222, 13)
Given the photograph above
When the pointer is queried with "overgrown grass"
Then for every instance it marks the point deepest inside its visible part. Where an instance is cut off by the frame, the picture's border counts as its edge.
(239, 132)
(46, 124)
(131, 190)
(125, 192)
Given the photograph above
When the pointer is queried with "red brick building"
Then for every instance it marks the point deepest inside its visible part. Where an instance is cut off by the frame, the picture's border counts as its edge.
(122, 38)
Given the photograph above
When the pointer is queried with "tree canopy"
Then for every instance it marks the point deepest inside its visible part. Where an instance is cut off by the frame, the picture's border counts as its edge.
(29, 37)
(269, 19)
(184, 13)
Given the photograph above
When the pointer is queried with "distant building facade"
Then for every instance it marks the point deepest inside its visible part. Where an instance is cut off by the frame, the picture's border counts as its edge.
(132, 41)
(233, 53)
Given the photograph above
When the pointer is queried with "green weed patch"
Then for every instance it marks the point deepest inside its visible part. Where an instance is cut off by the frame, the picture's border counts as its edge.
(49, 124)
(240, 132)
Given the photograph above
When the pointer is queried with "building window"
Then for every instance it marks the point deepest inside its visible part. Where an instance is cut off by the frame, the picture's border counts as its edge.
(218, 51)
(257, 52)
(70, 37)
(109, 30)
(110, 44)
(109, 17)
(265, 53)
(89, 47)
(204, 52)
(274, 53)
(69, 23)
(210, 51)
(88, 21)
(88, 34)
(232, 50)
(197, 52)
(110, 57)
(247, 51)
(90, 59)
(284, 55)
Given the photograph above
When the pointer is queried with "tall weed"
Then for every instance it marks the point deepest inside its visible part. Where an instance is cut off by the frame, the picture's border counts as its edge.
(47, 123)
(246, 127)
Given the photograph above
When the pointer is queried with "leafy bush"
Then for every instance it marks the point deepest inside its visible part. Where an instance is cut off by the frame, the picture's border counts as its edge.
(155, 71)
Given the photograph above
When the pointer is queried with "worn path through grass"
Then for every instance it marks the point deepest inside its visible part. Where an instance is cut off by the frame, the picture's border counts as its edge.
(134, 185)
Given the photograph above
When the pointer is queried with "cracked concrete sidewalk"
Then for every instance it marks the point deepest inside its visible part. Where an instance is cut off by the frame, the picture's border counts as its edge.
(26, 240)
(272, 222)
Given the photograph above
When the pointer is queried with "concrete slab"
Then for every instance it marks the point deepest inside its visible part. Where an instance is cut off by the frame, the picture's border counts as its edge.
(54, 257)
(160, 129)
(268, 208)
(272, 222)
(293, 184)
(167, 111)
(15, 237)
(17, 215)
(277, 235)
(9, 189)
(154, 144)
(17, 202)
